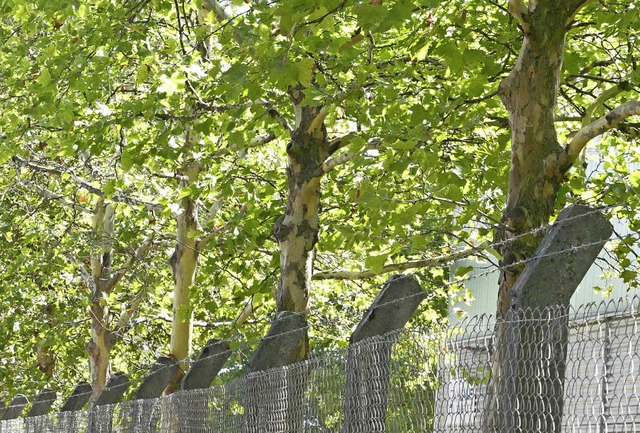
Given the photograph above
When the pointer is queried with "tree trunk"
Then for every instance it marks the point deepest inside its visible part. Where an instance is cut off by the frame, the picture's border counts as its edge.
(526, 391)
(297, 233)
(297, 230)
(102, 339)
(183, 264)
(526, 388)
(529, 93)
(184, 260)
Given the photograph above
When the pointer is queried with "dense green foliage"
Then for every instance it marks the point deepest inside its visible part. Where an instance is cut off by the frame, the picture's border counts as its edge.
(96, 98)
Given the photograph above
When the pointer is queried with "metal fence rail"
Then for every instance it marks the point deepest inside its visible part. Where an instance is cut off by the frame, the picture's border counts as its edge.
(407, 381)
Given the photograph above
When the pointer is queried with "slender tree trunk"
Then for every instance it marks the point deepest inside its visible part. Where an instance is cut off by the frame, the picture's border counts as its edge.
(184, 263)
(297, 230)
(102, 339)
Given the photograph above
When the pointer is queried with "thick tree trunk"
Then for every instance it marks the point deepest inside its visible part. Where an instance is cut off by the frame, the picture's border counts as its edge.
(529, 94)
(526, 392)
(531, 349)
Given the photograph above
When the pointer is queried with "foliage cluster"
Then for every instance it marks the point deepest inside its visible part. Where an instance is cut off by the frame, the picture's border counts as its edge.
(96, 99)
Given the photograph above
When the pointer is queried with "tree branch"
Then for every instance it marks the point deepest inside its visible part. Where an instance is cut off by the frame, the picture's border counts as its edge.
(340, 142)
(274, 113)
(332, 162)
(204, 241)
(262, 139)
(395, 267)
(604, 97)
(48, 194)
(574, 6)
(520, 12)
(257, 141)
(117, 197)
(598, 127)
(316, 123)
(138, 255)
(127, 313)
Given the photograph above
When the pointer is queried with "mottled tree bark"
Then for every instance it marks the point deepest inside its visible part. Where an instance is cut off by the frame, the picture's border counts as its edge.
(183, 264)
(538, 161)
(102, 339)
(103, 281)
(297, 233)
(297, 230)
(531, 355)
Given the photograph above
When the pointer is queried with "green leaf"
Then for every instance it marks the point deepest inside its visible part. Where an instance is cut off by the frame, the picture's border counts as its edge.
(44, 79)
(461, 271)
(109, 188)
(193, 234)
(126, 161)
(305, 71)
(173, 84)
(375, 262)
(371, 17)
(142, 73)
(494, 253)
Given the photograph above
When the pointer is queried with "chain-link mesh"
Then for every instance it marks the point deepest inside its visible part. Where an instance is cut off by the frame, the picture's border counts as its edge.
(539, 371)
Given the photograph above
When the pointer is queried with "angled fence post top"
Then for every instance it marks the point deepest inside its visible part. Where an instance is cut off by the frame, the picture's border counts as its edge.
(78, 398)
(204, 369)
(369, 372)
(16, 407)
(115, 389)
(536, 328)
(281, 344)
(42, 403)
(392, 308)
(161, 374)
(562, 259)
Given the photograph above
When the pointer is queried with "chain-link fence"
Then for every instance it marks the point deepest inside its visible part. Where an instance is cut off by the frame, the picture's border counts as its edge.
(417, 381)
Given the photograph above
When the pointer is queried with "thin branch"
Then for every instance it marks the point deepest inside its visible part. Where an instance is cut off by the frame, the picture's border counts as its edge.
(340, 142)
(196, 323)
(600, 126)
(257, 141)
(117, 197)
(574, 6)
(604, 97)
(247, 311)
(204, 241)
(332, 162)
(520, 12)
(274, 113)
(86, 276)
(217, 9)
(395, 267)
(128, 312)
(175, 176)
(262, 139)
(48, 194)
(138, 255)
(221, 15)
